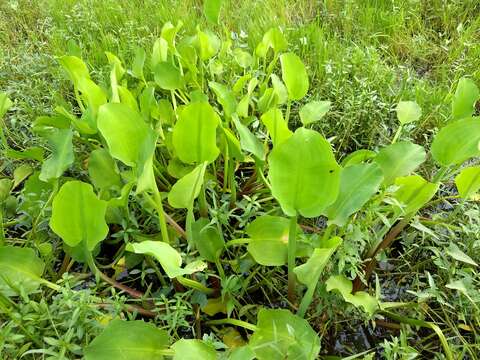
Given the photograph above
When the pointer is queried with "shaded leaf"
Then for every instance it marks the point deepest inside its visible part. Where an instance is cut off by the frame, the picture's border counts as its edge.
(207, 239)
(60, 141)
(358, 157)
(248, 141)
(455, 252)
(102, 170)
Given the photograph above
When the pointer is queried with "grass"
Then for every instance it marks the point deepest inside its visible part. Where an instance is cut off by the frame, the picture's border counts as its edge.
(363, 56)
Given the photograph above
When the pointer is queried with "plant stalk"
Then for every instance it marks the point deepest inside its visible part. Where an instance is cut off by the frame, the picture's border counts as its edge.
(235, 322)
(292, 249)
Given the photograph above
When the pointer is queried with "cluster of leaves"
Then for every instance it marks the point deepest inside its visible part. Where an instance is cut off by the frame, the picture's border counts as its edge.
(169, 133)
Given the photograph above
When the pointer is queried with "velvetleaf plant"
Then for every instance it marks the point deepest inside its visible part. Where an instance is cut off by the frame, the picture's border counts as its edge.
(169, 134)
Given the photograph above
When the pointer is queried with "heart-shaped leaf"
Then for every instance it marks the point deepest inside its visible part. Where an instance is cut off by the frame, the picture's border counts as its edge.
(408, 111)
(248, 141)
(78, 216)
(132, 340)
(304, 175)
(194, 134)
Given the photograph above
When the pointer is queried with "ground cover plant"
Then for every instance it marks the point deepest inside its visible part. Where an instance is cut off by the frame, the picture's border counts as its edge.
(188, 202)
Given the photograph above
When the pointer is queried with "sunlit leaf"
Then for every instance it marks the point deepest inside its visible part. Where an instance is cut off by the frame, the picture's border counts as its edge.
(465, 98)
(194, 134)
(399, 159)
(186, 189)
(276, 125)
(60, 141)
(358, 183)
(191, 349)
(294, 76)
(414, 192)
(167, 256)
(314, 111)
(132, 340)
(225, 97)
(358, 157)
(20, 268)
(248, 141)
(408, 111)
(455, 252)
(78, 216)
(304, 175)
(468, 181)
(167, 76)
(211, 9)
(457, 142)
(282, 335)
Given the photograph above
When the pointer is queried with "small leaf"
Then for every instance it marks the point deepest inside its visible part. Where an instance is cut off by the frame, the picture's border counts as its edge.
(21, 173)
(446, 147)
(167, 76)
(358, 183)
(20, 268)
(465, 98)
(279, 89)
(359, 299)
(132, 340)
(211, 9)
(167, 256)
(248, 141)
(282, 335)
(314, 111)
(194, 134)
(78, 216)
(243, 58)
(269, 240)
(159, 52)
(274, 39)
(187, 189)
(358, 157)
(414, 192)
(304, 175)
(60, 141)
(399, 159)
(455, 252)
(191, 349)
(276, 125)
(102, 170)
(468, 181)
(207, 240)
(408, 111)
(139, 63)
(207, 44)
(294, 76)
(5, 188)
(5, 104)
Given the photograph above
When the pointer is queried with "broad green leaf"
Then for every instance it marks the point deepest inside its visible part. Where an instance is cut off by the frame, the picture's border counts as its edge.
(191, 349)
(304, 175)
(78, 216)
(127, 98)
(148, 103)
(102, 170)
(169, 31)
(5, 104)
(225, 97)
(60, 141)
(92, 94)
(132, 340)
(207, 44)
(35, 194)
(358, 157)
(248, 141)
(465, 98)
(178, 169)
(282, 335)
(468, 181)
(129, 140)
(358, 183)
(294, 76)
(268, 100)
(455, 252)
(168, 76)
(399, 159)
(75, 68)
(194, 134)
(187, 189)
(359, 299)
(211, 9)
(276, 125)
(457, 142)
(167, 256)
(234, 147)
(408, 111)
(31, 153)
(309, 273)
(314, 111)
(20, 268)
(414, 192)
(242, 353)
(268, 240)
(207, 239)
(274, 39)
